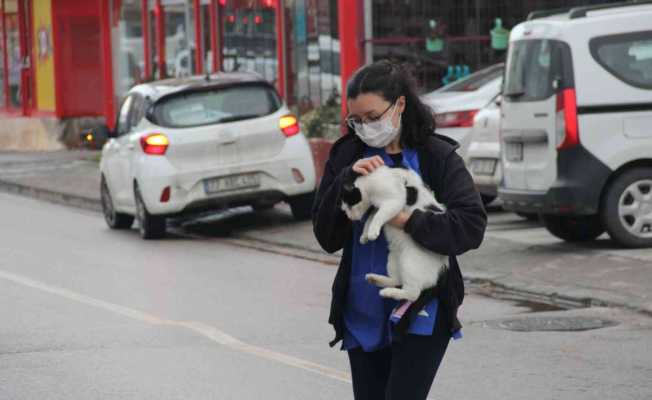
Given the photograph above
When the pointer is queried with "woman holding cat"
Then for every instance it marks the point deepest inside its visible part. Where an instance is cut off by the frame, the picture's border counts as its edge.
(389, 125)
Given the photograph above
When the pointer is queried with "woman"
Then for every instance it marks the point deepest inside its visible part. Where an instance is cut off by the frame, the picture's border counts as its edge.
(395, 354)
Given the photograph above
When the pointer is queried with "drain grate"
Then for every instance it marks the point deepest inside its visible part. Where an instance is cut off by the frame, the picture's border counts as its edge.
(551, 324)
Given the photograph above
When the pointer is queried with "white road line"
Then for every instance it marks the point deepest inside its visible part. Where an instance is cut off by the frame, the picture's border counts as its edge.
(207, 331)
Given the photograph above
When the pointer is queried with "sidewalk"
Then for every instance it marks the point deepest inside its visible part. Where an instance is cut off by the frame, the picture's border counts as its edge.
(514, 257)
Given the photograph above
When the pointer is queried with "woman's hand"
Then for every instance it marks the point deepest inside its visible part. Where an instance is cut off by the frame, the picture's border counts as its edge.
(400, 219)
(365, 166)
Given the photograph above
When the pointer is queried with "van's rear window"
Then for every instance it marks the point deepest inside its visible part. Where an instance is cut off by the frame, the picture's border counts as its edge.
(532, 68)
(220, 105)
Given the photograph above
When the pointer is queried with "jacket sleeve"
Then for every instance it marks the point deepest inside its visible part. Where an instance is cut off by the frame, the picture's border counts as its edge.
(330, 224)
(461, 227)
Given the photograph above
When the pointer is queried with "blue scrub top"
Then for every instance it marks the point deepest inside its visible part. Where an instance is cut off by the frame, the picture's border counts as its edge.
(367, 315)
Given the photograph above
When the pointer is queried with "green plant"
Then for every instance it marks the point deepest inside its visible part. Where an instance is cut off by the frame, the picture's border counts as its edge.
(323, 121)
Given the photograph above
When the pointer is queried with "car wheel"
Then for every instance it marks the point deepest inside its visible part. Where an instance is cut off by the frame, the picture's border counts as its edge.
(574, 228)
(114, 219)
(150, 226)
(528, 216)
(627, 208)
(487, 199)
(301, 205)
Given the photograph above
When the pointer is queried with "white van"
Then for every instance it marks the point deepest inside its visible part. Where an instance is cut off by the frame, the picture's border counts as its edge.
(576, 127)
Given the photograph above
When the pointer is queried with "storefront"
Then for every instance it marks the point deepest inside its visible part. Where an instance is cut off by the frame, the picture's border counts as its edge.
(70, 62)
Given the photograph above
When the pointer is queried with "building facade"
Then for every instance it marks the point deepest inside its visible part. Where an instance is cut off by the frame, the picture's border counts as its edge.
(65, 64)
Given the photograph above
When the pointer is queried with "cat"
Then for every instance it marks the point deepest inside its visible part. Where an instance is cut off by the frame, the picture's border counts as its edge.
(384, 193)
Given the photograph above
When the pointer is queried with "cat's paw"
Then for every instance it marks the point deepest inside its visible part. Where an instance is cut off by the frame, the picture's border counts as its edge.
(373, 279)
(373, 234)
(392, 293)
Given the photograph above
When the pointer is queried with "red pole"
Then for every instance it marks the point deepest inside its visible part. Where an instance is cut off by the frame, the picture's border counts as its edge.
(107, 61)
(147, 53)
(199, 46)
(159, 13)
(351, 29)
(213, 35)
(220, 34)
(5, 81)
(280, 46)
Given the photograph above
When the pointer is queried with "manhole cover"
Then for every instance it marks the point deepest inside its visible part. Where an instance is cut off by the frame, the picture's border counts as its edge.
(542, 324)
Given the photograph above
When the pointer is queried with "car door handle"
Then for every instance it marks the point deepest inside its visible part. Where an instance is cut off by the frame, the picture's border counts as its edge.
(540, 115)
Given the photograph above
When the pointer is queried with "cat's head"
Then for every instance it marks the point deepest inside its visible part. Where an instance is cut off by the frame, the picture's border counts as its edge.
(354, 198)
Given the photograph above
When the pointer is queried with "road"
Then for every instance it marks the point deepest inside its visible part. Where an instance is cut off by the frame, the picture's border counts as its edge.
(89, 313)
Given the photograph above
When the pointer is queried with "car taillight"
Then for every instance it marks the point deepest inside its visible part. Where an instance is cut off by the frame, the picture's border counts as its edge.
(566, 120)
(458, 119)
(289, 125)
(154, 144)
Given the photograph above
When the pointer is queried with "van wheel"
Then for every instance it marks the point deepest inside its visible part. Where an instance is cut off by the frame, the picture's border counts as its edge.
(114, 219)
(150, 226)
(301, 205)
(627, 208)
(574, 228)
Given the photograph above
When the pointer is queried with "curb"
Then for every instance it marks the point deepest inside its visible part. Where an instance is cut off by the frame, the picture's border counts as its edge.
(51, 196)
(543, 296)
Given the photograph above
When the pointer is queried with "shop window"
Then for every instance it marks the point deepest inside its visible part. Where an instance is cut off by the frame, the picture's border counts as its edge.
(14, 60)
(128, 46)
(313, 48)
(250, 38)
(207, 54)
(180, 43)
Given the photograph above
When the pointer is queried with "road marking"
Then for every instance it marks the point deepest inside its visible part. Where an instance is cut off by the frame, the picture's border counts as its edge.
(207, 331)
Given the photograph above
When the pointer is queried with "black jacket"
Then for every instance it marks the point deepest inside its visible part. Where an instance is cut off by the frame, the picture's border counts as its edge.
(459, 229)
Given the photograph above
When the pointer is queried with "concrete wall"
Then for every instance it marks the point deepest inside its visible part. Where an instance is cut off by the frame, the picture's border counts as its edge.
(30, 134)
(44, 133)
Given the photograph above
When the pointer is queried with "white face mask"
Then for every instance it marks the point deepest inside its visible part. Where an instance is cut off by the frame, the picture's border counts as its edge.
(378, 133)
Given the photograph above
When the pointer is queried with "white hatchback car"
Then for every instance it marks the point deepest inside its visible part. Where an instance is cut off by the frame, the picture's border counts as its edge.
(183, 146)
(577, 122)
(456, 104)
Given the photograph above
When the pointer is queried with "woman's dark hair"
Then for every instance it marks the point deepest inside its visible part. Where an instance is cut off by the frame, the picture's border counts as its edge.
(392, 80)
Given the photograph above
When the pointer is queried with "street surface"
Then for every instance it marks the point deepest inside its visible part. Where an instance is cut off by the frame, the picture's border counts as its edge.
(89, 313)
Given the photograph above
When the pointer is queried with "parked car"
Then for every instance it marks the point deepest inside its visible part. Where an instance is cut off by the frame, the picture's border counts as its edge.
(196, 144)
(484, 150)
(456, 104)
(577, 122)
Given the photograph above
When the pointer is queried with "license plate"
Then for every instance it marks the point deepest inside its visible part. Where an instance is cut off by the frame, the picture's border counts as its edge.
(514, 151)
(233, 182)
(483, 166)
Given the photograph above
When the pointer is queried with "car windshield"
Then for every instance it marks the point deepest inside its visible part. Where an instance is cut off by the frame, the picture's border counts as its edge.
(220, 105)
(475, 81)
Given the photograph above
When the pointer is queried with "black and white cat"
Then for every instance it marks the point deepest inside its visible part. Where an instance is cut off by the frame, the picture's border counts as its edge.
(387, 191)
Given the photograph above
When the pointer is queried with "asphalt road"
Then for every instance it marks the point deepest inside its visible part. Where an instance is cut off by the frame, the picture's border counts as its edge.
(89, 313)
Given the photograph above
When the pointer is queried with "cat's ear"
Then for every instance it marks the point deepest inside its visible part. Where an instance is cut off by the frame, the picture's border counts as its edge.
(351, 196)
(412, 195)
(349, 179)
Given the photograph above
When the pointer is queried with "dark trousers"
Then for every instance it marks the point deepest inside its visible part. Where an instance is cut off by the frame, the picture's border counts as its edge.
(403, 371)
